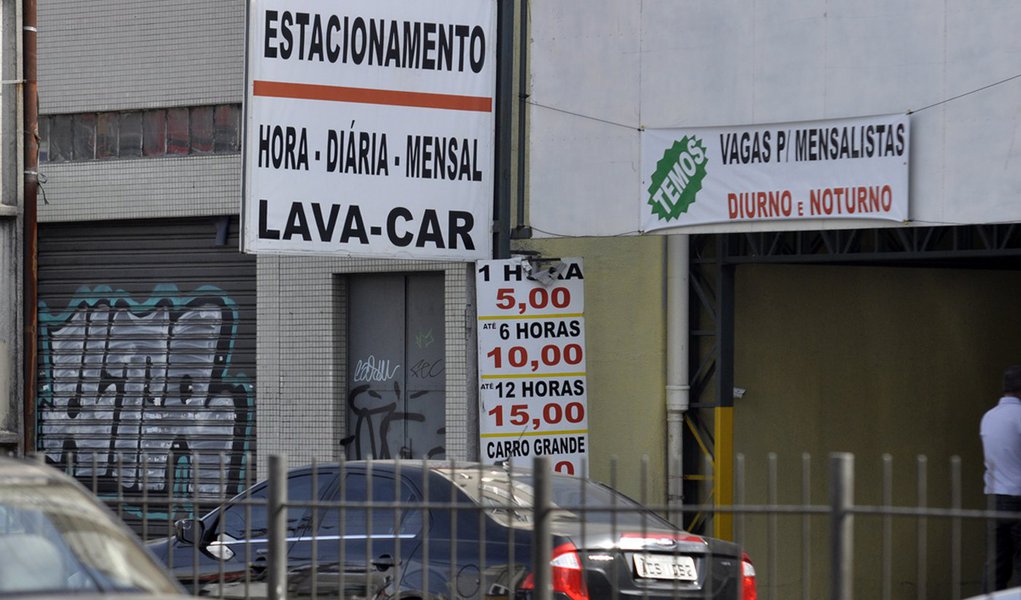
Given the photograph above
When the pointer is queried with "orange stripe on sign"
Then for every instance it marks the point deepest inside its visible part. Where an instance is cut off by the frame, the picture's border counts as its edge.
(333, 93)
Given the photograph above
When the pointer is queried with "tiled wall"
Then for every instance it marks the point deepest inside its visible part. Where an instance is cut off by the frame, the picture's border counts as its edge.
(301, 354)
(138, 54)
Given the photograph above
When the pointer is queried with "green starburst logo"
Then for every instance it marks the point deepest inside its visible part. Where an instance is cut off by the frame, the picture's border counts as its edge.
(678, 178)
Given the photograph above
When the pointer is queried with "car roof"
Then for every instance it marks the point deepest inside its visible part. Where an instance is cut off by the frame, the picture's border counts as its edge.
(32, 473)
(407, 463)
(12, 468)
(413, 466)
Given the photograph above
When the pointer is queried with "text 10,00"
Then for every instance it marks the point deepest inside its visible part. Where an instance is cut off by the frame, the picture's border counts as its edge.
(551, 355)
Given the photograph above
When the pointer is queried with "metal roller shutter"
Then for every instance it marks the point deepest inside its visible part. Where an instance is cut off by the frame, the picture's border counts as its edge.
(146, 361)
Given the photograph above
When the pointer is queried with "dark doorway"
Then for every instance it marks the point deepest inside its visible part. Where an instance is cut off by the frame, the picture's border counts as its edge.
(396, 367)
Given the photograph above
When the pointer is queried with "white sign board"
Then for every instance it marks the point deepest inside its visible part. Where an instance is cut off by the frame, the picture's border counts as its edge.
(840, 169)
(369, 128)
(532, 383)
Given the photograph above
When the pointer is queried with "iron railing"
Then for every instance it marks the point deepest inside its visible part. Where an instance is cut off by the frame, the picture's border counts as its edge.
(803, 549)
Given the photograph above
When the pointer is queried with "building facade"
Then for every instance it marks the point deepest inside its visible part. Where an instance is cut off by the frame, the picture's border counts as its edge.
(164, 348)
(11, 228)
(885, 339)
(160, 342)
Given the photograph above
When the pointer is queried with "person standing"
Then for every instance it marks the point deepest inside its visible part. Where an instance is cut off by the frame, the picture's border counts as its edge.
(1001, 446)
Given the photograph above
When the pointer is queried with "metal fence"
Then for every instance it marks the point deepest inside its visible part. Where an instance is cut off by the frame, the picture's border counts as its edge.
(804, 549)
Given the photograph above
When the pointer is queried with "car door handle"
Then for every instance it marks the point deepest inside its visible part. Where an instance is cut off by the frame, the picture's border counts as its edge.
(384, 562)
(260, 563)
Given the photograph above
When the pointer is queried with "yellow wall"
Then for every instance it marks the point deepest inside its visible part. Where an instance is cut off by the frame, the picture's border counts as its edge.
(624, 343)
(871, 361)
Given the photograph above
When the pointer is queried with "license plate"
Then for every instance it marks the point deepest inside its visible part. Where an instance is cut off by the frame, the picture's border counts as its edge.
(658, 566)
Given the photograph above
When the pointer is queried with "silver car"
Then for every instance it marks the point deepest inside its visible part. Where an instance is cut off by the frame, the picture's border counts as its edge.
(57, 539)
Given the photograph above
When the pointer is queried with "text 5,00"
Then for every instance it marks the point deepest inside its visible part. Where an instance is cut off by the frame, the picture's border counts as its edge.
(538, 299)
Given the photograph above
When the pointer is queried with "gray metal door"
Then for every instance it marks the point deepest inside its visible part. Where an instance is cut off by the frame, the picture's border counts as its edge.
(147, 356)
(396, 369)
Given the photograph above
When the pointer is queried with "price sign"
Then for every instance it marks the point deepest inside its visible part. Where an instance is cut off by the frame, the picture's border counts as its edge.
(532, 385)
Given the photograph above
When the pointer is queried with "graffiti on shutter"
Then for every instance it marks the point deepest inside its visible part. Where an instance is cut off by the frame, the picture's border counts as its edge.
(144, 388)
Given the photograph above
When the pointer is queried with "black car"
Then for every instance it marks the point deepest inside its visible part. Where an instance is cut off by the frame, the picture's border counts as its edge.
(424, 530)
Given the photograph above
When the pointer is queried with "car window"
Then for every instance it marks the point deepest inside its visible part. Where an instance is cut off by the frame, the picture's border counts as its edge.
(509, 498)
(248, 518)
(391, 512)
(586, 500)
(54, 539)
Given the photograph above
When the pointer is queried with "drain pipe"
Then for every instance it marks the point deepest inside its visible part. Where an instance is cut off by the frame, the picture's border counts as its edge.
(31, 234)
(677, 351)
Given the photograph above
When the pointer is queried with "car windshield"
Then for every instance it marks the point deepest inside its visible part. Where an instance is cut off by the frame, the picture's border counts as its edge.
(53, 538)
(509, 498)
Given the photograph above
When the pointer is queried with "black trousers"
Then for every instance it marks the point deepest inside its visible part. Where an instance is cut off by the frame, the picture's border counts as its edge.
(1006, 543)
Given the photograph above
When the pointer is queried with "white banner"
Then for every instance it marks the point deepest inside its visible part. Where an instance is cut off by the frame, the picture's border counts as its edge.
(838, 169)
(369, 128)
(532, 383)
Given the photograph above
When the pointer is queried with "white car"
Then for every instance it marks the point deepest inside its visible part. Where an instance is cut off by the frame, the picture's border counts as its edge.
(57, 540)
(1011, 594)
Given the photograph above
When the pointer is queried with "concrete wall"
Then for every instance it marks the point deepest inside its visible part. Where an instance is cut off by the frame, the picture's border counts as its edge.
(133, 54)
(603, 69)
(11, 346)
(166, 187)
(11, 226)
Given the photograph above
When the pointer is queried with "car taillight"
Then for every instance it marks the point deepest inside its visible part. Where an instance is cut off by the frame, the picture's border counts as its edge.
(568, 576)
(747, 578)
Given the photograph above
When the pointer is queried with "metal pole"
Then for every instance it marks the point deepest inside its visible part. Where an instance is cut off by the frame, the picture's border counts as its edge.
(31, 234)
(723, 413)
(522, 231)
(773, 525)
(11, 228)
(841, 525)
(277, 510)
(504, 131)
(471, 323)
(923, 533)
(806, 527)
(543, 537)
(955, 528)
(678, 390)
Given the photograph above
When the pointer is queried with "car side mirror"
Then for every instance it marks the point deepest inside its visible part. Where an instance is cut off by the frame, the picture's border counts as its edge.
(190, 531)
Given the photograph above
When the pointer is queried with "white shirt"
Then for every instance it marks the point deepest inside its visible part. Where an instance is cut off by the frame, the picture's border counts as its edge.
(1001, 443)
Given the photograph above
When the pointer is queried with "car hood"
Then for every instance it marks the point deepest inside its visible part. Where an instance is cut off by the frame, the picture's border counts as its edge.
(159, 547)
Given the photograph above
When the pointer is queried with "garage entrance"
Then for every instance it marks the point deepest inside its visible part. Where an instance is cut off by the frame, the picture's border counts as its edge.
(885, 343)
